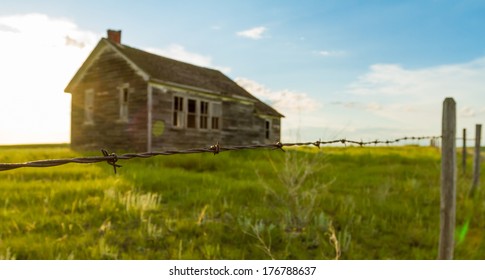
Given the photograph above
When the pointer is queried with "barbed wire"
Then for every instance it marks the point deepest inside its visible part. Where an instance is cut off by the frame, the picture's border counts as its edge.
(112, 158)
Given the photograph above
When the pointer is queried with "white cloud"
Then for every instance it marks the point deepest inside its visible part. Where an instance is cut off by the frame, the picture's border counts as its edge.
(179, 52)
(370, 106)
(39, 56)
(467, 112)
(327, 53)
(75, 43)
(412, 99)
(301, 111)
(253, 33)
(286, 101)
(425, 84)
(8, 28)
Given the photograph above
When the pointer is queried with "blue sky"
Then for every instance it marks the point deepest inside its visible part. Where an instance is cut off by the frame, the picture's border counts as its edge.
(354, 69)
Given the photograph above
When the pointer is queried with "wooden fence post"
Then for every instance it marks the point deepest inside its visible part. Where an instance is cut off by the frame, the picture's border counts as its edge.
(448, 180)
(463, 158)
(476, 159)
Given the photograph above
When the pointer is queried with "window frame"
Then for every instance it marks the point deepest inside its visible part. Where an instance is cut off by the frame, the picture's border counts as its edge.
(204, 114)
(267, 129)
(201, 118)
(89, 96)
(191, 118)
(124, 92)
(216, 117)
(178, 111)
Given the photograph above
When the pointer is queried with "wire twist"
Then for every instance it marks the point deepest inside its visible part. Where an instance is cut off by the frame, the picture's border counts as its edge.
(112, 159)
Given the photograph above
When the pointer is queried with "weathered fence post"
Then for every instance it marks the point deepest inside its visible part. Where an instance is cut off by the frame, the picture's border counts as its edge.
(476, 158)
(448, 180)
(463, 158)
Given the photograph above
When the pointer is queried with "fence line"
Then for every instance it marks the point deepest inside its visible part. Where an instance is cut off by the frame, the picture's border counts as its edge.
(112, 158)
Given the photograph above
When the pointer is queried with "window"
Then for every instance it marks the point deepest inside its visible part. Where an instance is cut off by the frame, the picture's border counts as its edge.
(267, 129)
(124, 97)
(204, 114)
(192, 113)
(216, 115)
(178, 111)
(88, 106)
(196, 113)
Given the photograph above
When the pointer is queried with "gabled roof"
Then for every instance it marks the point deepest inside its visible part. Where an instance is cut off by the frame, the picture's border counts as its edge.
(165, 70)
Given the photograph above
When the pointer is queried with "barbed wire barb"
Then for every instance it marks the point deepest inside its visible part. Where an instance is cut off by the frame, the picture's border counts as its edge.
(215, 148)
(279, 146)
(112, 159)
(317, 143)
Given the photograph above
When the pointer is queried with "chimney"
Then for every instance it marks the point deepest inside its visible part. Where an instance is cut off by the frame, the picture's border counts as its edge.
(114, 36)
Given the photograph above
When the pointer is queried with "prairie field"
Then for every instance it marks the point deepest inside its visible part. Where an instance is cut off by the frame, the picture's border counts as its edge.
(305, 203)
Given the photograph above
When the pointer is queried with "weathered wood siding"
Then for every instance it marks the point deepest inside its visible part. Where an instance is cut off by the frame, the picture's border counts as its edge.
(104, 77)
(240, 125)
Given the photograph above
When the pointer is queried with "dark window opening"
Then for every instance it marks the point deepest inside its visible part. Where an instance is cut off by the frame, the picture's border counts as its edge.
(125, 95)
(267, 129)
(204, 114)
(192, 113)
(178, 111)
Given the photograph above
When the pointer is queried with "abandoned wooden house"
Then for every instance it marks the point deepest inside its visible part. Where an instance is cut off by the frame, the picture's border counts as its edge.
(124, 98)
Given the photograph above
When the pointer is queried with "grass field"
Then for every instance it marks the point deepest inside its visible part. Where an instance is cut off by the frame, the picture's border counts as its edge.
(346, 203)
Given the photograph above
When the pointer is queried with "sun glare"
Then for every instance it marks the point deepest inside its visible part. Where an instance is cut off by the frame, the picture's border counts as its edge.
(39, 56)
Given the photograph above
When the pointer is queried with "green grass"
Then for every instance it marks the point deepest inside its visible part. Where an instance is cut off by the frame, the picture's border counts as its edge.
(350, 203)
